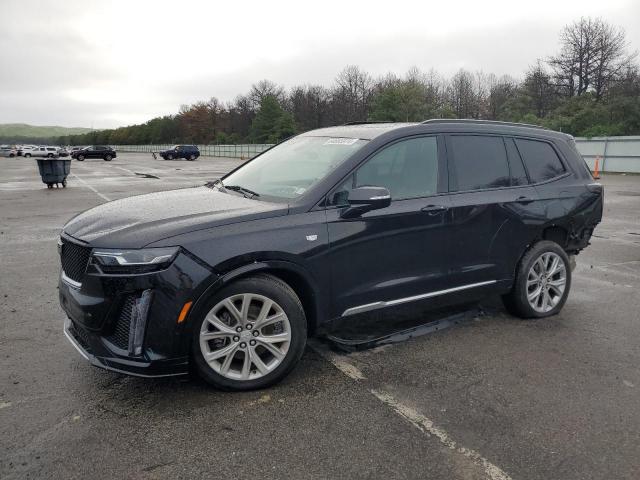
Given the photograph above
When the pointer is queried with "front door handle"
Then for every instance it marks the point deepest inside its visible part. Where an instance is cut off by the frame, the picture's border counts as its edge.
(434, 209)
(524, 200)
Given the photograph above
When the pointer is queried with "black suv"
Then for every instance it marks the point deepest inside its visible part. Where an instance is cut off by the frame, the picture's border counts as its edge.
(94, 151)
(189, 152)
(333, 223)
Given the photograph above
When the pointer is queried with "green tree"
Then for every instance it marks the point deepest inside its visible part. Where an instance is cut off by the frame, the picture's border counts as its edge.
(271, 123)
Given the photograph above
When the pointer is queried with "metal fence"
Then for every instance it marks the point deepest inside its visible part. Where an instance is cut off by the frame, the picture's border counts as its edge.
(229, 151)
(616, 154)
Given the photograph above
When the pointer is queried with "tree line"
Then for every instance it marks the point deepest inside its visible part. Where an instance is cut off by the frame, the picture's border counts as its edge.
(591, 87)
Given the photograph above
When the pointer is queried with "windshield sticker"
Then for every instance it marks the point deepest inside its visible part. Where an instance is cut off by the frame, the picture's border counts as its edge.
(340, 141)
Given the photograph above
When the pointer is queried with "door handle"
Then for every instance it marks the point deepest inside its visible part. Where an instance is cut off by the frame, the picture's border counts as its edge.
(524, 200)
(434, 209)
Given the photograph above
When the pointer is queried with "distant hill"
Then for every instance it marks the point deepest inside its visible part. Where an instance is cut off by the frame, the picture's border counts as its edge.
(22, 130)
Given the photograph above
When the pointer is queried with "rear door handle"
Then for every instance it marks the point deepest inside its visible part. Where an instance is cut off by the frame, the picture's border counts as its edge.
(434, 209)
(524, 200)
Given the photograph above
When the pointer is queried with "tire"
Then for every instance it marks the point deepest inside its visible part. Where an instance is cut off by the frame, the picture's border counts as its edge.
(271, 368)
(169, 157)
(50, 155)
(535, 274)
(11, 155)
(191, 158)
(64, 183)
(27, 155)
(80, 158)
(108, 158)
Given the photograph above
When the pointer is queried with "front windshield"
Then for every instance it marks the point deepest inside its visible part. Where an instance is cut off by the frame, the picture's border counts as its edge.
(288, 170)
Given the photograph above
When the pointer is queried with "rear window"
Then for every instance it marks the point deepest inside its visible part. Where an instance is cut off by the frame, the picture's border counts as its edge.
(477, 162)
(541, 160)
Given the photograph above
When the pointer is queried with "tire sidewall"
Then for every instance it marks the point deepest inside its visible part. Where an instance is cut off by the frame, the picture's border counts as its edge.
(274, 289)
(80, 158)
(107, 158)
(527, 262)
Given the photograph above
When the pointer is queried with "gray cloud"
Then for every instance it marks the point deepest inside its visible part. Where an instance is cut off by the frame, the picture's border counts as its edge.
(53, 72)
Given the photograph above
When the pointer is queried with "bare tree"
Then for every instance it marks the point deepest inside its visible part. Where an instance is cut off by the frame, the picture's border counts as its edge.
(592, 56)
(265, 88)
(352, 94)
(310, 106)
(461, 93)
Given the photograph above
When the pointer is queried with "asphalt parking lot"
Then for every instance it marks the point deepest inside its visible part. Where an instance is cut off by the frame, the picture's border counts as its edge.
(495, 398)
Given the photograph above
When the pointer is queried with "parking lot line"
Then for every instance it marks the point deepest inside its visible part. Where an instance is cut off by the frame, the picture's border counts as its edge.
(104, 197)
(410, 414)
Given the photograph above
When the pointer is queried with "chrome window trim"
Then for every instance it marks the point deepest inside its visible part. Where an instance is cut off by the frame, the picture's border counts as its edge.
(389, 303)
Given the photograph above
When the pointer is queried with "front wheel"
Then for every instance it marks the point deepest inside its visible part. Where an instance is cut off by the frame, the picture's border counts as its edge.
(249, 335)
(27, 155)
(50, 155)
(542, 282)
(80, 158)
(107, 158)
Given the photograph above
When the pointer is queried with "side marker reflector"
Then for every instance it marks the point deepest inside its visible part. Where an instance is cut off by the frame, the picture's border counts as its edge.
(184, 311)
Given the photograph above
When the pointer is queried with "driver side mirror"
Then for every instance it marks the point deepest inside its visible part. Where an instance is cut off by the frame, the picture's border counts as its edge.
(365, 199)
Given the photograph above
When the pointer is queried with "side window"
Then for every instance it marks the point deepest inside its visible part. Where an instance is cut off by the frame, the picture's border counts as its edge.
(541, 160)
(408, 169)
(518, 174)
(477, 162)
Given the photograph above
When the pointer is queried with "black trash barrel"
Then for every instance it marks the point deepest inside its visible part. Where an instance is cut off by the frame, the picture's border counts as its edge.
(54, 171)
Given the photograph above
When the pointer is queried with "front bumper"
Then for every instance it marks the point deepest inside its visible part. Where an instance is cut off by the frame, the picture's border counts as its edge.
(102, 318)
(85, 345)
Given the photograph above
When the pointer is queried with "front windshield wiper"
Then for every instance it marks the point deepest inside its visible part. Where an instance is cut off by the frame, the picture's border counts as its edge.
(243, 190)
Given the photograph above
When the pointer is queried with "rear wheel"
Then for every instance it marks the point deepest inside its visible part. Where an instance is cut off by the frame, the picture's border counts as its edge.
(50, 155)
(250, 334)
(27, 155)
(169, 157)
(542, 283)
(192, 157)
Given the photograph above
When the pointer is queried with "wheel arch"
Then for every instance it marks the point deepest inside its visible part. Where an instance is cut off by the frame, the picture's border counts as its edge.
(297, 277)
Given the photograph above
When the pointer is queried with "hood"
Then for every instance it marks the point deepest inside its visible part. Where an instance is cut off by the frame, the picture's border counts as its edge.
(137, 221)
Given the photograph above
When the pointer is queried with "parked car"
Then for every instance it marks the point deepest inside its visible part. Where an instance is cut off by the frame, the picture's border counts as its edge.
(8, 152)
(95, 151)
(43, 151)
(26, 150)
(231, 277)
(189, 152)
(73, 150)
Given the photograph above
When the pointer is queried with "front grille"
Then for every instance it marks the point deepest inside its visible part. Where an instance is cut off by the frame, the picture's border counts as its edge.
(74, 259)
(120, 335)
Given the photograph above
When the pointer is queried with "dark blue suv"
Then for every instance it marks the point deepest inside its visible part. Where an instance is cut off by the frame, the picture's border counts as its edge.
(188, 152)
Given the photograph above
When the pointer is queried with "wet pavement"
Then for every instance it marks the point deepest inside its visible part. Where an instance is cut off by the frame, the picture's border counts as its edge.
(493, 397)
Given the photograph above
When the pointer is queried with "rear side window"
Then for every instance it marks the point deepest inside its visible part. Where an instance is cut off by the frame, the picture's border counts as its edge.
(477, 162)
(541, 160)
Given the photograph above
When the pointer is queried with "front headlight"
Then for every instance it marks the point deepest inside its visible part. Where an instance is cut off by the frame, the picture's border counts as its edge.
(144, 260)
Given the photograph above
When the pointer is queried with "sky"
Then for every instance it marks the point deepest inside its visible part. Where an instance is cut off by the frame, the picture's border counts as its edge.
(103, 64)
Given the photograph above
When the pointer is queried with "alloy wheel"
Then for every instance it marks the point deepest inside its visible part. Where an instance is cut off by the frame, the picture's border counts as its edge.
(546, 282)
(245, 336)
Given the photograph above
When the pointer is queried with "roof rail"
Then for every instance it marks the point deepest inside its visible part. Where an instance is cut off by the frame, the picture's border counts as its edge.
(364, 122)
(482, 122)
